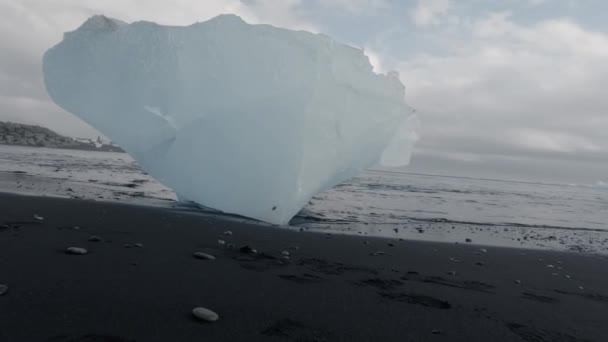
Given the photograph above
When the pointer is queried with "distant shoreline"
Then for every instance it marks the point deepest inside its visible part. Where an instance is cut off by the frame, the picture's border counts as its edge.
(103, 148)
(16, 134)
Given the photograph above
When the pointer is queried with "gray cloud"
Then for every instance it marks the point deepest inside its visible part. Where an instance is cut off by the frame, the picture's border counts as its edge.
(509, 89)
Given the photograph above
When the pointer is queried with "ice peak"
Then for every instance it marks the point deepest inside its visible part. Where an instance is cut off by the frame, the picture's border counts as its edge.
(101, 23)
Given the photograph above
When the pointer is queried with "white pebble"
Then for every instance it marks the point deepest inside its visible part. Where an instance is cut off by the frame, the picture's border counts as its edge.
(76, 250)
(38, 217)
(228, 232)
(221, 242)
(285, 253)
(204, 256)
(3, 290)
(205, 314)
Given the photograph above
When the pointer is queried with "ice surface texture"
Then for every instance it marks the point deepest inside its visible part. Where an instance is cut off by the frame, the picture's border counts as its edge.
(247, 119)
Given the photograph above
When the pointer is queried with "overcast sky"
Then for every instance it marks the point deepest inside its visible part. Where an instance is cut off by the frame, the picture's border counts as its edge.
(512, 88)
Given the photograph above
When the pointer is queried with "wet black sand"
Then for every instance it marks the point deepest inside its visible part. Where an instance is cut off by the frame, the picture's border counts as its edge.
(333, 288)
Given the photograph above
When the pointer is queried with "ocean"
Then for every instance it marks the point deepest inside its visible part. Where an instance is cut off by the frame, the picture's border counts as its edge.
(400, 205)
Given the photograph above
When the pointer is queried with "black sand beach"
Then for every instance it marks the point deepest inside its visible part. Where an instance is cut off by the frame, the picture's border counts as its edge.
(141, 282)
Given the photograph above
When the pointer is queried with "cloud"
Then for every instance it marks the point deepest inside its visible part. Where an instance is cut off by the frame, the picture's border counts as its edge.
(501, 87)
(429, 12)
(356, 6)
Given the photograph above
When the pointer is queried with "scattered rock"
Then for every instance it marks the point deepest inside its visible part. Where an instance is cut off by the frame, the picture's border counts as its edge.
(138, 245)
(38, 217)
(221, 242)
(567, 276)
(127, 245)
(479, 263)
(468, 240)
(436, 332)
(76, 251)
(95, 238)
(205, 314)
(452, 273)
(483, 250)
(285, 253)
(3, 290)
(518, 282)
(203, 256)
(228, 232)
(550, 266)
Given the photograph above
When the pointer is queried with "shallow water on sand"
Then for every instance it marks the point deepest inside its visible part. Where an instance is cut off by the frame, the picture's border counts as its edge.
(377, 203)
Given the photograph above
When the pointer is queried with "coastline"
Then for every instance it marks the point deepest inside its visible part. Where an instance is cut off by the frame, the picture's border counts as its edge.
(332, 288)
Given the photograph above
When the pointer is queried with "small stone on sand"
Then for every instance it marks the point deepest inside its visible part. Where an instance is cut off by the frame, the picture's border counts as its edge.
(76, 251)
(518, 282)
(203, 256)
(436, 332)
(468, 240)
(139, 245)
(285, 253)
(247, 250)
(221, 242)
(94, 238)
(127, 245)
(228, 232)
(3, 290)
(38, 217)
(205, 314)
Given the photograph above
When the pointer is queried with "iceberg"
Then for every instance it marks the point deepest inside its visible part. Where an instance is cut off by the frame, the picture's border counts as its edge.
(252, 120)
